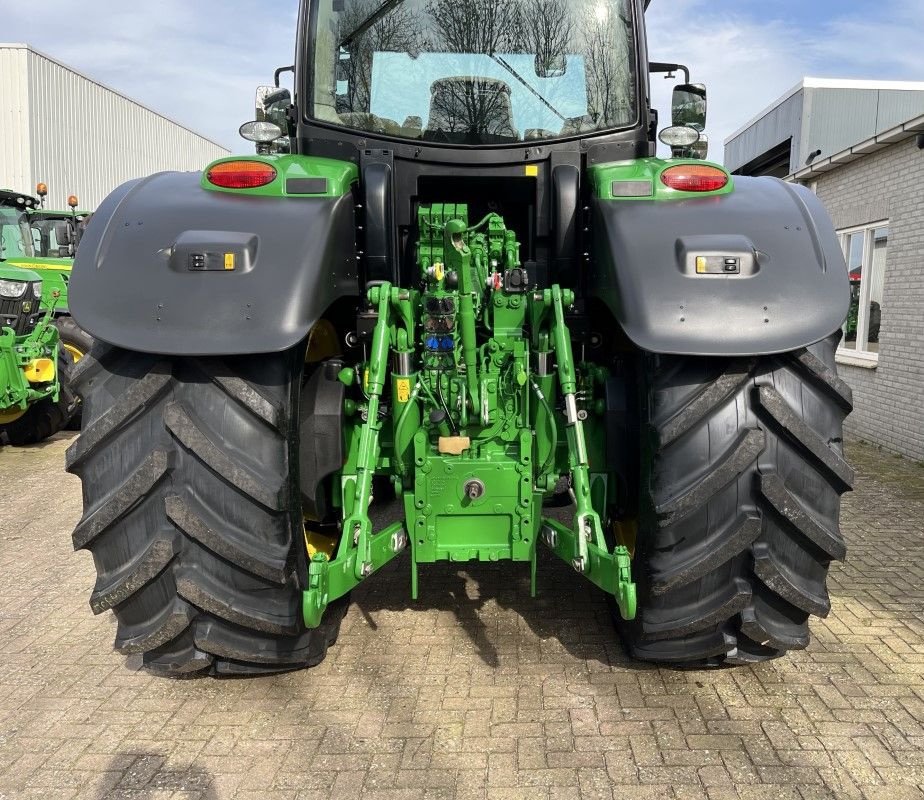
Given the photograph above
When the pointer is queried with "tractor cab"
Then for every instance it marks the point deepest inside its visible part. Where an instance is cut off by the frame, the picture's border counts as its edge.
(56, 233)
(501, 106)
(15, 234)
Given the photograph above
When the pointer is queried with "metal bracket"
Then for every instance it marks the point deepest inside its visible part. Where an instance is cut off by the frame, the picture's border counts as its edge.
(612, 572)
(329, 580)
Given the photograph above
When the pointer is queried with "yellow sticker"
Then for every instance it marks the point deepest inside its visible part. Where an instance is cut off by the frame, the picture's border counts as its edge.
(701, 265)
(532, 171)
(229, 260)
(366, 379)
(403, 387)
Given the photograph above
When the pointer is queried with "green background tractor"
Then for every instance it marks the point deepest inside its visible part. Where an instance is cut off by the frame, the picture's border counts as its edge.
(33, 402)
(55, 236)
(456, 280)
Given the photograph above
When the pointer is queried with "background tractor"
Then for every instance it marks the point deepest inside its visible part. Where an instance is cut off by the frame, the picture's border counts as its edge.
(54, 239)
(33, 402)
(456, 274)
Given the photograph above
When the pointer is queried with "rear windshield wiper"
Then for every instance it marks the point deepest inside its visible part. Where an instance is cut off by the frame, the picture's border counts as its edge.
(522, 80)
(368, 22)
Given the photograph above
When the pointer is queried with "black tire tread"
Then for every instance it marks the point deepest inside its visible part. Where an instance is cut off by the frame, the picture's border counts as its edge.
(124, 497)
(139, 394)
(788, 419)
(737, 373)
(715, 551)
(743, 452)
(181, 425)
(267, 563)
(113, 589)
(244, 393)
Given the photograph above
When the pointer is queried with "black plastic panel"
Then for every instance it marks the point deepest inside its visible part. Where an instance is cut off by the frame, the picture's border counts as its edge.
(791, 289)
(306, 186)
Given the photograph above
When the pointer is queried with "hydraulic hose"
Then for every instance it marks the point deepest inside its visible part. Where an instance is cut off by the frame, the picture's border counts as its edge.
(553, 428)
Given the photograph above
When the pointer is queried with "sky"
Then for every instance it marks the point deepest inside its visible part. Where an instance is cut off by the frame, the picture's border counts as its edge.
(199, 62)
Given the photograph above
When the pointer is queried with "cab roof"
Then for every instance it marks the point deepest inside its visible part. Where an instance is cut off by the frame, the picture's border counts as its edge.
(17, 199)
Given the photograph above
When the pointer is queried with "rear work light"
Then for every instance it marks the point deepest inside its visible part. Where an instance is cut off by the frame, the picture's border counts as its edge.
(241, 174)
(694, 178)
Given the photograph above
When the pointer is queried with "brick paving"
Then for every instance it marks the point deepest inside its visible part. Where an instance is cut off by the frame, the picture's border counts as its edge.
(474, 693)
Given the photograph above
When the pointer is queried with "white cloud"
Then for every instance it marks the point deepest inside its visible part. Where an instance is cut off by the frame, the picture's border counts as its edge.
(747, 64)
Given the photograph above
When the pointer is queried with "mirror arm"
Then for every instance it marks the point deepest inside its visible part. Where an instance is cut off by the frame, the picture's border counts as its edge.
(661, 66)
(290, 68)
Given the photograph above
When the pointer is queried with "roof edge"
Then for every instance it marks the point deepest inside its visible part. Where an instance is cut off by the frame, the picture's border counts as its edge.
(895, 135)
(31, 49)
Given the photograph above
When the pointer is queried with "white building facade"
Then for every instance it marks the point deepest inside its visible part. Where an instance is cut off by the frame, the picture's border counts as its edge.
(79, 137)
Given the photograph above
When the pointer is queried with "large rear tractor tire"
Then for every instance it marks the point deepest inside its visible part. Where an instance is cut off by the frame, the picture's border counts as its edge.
(192, 510)
(46, 417)
(742, 472)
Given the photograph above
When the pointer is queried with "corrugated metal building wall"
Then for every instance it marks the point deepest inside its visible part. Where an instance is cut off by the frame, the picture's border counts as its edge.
(80, 137)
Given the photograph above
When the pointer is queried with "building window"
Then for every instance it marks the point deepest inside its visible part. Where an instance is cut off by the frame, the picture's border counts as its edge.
(865, 250)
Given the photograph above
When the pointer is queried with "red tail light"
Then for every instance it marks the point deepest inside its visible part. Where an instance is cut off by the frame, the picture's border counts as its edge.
(694, 178)
(241, 174)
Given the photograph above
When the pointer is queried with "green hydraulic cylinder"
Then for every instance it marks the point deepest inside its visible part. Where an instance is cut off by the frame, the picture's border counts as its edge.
(405, 390)
(469, 346)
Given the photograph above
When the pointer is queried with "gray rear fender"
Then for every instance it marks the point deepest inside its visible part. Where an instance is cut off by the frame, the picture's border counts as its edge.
(791, 291)
(138, 280)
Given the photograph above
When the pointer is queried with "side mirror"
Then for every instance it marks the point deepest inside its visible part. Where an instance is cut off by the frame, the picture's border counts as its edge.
(551, 65)
(63, 233)
(688, 106)
(342, 69)
(271, 101)
(64, 236)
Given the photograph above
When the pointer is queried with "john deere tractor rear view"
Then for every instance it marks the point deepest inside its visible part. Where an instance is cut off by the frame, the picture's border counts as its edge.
(456, 274)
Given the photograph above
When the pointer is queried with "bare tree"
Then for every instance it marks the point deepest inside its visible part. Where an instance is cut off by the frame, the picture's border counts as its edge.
(397, 31)
(476, 26)
(607, 45)
(477, 107)
(547, 28)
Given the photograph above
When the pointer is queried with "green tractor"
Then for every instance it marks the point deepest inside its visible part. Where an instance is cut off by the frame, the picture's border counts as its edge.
(456, 276)
(35, 396)
(54, 239)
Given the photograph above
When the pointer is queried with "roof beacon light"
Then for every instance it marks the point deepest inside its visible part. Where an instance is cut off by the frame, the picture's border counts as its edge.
(72, 201)
(694, 178)
(241, 174)
(41, 189)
